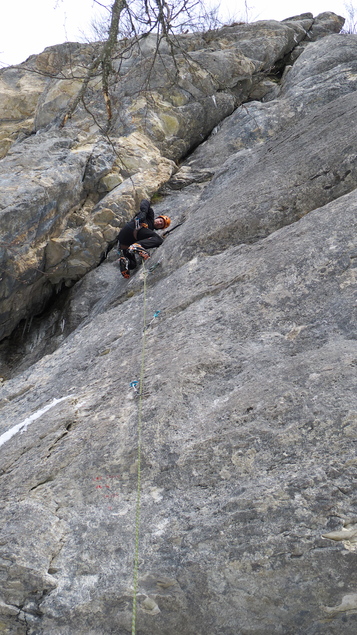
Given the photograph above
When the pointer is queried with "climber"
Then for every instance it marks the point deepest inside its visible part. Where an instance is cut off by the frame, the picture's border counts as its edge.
(137, 236)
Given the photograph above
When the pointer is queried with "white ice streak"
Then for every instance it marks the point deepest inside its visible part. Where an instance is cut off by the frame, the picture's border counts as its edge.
(24, 424)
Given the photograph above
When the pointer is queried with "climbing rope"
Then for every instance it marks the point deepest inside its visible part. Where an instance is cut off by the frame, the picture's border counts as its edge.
(138, 493)
(138, 389)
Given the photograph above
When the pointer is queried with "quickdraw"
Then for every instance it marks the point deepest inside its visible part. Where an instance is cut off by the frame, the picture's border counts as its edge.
(134, 385)
(156, 314)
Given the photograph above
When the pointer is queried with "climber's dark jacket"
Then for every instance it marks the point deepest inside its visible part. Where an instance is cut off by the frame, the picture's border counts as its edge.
(144, 235)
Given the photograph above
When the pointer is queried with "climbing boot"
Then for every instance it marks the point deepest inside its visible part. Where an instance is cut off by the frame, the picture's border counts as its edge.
(124, 267)
(136, 248)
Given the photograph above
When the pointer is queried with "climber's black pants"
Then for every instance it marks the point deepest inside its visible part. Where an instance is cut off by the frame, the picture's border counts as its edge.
(147, 238)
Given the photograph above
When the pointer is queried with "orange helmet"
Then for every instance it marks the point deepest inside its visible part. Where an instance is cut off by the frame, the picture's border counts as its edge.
(166, 220)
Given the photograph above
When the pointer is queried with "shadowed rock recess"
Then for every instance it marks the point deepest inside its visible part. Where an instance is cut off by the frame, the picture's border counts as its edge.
(248, 358)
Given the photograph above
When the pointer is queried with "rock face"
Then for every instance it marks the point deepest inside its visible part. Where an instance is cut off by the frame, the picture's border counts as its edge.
(67, 190)
(240, 330)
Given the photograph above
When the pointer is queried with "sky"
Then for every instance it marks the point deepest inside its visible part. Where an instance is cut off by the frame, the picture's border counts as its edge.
(29, 26)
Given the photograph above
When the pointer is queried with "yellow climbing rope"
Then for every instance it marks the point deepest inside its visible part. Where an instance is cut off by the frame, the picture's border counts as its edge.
(138, 493)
